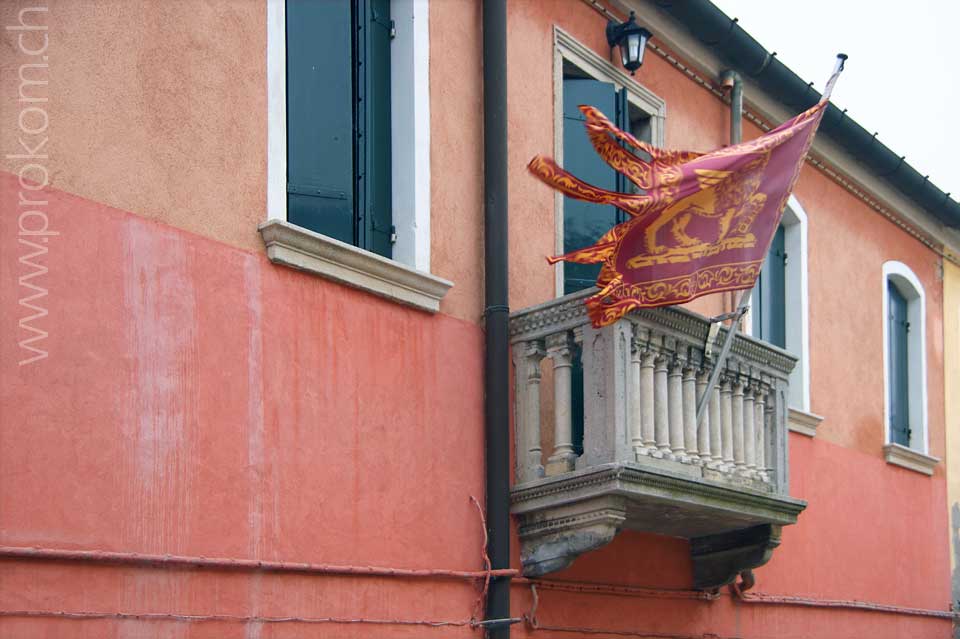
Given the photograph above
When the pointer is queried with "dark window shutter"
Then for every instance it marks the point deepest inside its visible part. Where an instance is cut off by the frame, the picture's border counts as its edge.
(584, 222)
(320, 145)
(373, 125)
(898, 363)
(770, 294)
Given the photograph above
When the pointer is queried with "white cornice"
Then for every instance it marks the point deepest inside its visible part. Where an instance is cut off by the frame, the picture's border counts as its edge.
(803, 422)
(909, 458)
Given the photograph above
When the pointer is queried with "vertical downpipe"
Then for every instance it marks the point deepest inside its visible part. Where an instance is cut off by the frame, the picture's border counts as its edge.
(497, 311)
(730, 80)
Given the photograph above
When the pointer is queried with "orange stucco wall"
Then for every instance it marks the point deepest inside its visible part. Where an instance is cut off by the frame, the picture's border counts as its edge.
(198, 400)
(154, 107)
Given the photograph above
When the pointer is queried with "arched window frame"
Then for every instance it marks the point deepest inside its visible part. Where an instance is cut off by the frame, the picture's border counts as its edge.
(798, 300)
(908, 284)
(797, 315)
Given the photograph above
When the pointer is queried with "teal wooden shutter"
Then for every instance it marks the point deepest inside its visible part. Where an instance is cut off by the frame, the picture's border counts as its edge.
(374, 193)
(320, 132)
(770, 294)
(898, 362)
(338, 120)
(584, 222)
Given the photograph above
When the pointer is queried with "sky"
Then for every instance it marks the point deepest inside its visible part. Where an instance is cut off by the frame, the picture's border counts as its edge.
(903, 75)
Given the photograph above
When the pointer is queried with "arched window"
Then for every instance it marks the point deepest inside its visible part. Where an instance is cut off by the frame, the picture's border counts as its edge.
(904, 368)
(779, 306)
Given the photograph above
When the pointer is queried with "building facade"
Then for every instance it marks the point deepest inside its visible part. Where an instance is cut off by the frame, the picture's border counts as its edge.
(243, 374)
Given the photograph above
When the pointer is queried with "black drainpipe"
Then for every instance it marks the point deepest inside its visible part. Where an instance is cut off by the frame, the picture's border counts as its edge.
(497, 311)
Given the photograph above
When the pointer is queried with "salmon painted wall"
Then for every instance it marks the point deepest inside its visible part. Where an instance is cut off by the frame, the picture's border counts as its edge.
(198, 400)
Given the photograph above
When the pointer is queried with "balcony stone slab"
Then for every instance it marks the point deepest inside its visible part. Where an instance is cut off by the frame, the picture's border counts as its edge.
(566, 515)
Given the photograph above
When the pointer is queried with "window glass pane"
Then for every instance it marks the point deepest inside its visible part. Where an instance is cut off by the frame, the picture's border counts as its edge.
(584, 222)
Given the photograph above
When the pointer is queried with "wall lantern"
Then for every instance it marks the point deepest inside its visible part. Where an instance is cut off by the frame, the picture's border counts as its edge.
(632, 40)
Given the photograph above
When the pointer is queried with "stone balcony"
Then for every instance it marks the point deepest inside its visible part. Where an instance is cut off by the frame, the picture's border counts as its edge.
(644, 463)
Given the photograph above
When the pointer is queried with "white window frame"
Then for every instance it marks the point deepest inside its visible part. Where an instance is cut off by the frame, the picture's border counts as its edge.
(406, 277)
(410, 125)
(910, 287)
(797, 311)
(566, 47)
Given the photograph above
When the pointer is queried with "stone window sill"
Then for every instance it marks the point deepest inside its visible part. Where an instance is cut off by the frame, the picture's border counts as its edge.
(803, 422)
(332, 259)
(909, 458)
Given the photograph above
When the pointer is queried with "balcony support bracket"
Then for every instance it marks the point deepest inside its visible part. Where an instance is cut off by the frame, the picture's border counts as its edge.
(718, 559)
(566, 535)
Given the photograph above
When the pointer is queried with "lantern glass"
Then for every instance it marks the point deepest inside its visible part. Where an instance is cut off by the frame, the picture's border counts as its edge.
(632, 49)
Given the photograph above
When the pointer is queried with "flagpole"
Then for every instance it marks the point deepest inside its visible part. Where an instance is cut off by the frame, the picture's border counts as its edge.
(744, 302)
(742, 307)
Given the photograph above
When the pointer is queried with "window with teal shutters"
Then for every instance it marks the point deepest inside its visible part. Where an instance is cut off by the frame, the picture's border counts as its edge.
(770, 294)
(898, 329)
(338, 120)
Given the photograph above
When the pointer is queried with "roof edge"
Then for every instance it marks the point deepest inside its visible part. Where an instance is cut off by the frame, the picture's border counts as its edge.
(731, 43)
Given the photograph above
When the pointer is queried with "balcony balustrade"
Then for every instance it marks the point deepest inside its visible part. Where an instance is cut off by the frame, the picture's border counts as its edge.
(645, 464)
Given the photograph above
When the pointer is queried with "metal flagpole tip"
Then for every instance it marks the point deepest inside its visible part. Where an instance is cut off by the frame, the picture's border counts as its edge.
(841, 59)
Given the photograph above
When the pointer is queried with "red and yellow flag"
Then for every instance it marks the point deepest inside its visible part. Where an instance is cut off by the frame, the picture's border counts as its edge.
(703, 222)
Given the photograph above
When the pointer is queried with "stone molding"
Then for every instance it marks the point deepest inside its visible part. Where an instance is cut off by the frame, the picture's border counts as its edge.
(909, 458)
(305, 250)
(802, 422)
(626, 477)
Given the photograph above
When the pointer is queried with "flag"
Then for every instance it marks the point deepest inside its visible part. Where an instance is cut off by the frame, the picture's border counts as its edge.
(699, 223)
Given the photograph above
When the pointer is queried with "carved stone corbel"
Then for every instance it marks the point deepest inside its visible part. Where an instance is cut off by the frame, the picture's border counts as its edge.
(718, 559)
(552, 543)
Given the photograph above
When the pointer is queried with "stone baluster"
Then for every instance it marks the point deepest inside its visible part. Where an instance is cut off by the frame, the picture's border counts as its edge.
(661, 420)
(726, 417)
(690, 413)
(703, 430)
(526, 360)
(770, 436)
(675, 410)
(647, 402)
(736, 412)
(749, 434)
(634, 399)
(559, 349)
(716, 428)
(759, 424)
